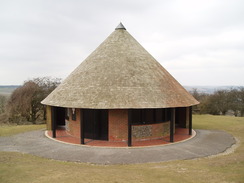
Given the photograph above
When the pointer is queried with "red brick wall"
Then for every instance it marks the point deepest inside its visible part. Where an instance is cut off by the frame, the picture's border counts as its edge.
(73, 127)
(118, 124)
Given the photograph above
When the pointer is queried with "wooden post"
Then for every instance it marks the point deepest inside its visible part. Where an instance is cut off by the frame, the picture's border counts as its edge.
(82, 136)
(129, 128)
(54, 121)
(190, 120)
(172, 124)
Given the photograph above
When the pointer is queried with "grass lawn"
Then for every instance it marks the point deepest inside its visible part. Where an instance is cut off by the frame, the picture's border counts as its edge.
(17, 167)
(7, 130)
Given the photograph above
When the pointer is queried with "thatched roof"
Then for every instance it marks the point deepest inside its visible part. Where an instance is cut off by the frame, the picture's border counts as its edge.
(120, 73)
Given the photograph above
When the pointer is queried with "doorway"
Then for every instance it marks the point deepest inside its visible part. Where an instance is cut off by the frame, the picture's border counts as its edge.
(59, 116)
(95, 124)
(180, 117)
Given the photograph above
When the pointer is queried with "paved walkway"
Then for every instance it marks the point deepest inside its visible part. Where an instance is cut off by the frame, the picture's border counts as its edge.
(205, 143)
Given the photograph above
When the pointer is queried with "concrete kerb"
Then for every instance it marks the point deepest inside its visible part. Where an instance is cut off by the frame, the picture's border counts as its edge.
(229, 150)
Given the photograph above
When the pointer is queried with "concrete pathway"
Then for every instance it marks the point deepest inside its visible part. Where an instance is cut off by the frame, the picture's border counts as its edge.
(205, 143)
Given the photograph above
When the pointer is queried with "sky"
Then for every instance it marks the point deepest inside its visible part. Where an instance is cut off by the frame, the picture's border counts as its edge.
(200, 42)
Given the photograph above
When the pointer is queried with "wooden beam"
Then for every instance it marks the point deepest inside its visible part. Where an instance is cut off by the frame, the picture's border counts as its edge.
(172, 124)
(82, 135)
(54, 121)
(129, 128)
(190, 120)
(49, 117)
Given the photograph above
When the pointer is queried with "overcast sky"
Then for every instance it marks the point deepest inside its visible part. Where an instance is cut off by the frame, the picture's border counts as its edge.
(198, 42)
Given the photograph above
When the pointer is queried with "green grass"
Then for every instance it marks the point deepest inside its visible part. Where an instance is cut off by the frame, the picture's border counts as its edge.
(17, 167)
(7, 130)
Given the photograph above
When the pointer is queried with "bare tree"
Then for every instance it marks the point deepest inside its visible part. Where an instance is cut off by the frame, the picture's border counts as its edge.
(24, 103)
(222, 101)
(202, 98)
(218, 103)
(3, 101)
(237, 97)
(241, 100)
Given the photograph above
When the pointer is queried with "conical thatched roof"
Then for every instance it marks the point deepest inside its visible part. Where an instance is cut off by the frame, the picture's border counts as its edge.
(120, 73)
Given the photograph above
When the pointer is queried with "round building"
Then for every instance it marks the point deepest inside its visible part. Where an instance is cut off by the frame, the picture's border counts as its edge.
(119, 93)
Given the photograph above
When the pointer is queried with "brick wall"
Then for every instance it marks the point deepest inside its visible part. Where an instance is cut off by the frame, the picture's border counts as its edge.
(118, 124)
(73, 127)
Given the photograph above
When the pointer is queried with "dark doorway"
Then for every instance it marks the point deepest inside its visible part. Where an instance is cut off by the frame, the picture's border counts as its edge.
(180, 117)
(60, 116)
(95, 124)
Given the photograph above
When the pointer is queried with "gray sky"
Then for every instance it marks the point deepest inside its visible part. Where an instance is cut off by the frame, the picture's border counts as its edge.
(198, 42)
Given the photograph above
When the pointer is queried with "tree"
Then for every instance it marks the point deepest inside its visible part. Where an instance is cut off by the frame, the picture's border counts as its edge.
(218, 103)
(3, 101)
(24, 103)
(222, 101)
(241, 100)
(47, 85)
(202, 98)
(237, 97)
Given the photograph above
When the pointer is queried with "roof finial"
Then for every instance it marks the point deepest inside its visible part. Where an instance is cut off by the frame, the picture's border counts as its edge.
(120, 26)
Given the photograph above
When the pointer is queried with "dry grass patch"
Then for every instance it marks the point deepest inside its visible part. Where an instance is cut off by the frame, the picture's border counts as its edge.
(7, 130)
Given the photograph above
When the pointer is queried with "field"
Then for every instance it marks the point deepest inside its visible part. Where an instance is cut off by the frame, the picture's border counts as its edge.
(7, 90)
(17, 167)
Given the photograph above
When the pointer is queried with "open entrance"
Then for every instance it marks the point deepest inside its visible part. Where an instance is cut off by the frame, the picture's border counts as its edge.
(60, 116)
(180, 117)
(150, 116)
(95, 124)
(58, 119)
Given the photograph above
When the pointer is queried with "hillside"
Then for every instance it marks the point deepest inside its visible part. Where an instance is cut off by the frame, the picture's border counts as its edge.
(6, 90)
(210, 89)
